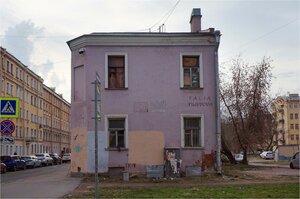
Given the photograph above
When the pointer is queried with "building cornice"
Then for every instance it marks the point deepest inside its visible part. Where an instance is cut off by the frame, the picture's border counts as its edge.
(143, 39)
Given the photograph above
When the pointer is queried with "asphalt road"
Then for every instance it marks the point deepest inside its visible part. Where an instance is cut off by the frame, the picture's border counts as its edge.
(45, 182)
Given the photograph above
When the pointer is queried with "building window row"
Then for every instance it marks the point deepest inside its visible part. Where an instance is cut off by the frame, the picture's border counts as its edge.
(294, 137)
(294, 105)
(192, 130)
(293, 116)
(292, 126)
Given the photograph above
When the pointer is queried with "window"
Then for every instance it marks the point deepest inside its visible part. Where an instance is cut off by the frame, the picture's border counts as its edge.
(116, 126)
(291, 116)
(116, 71)
(191, 71)
(291, 126)
(192, 130)
(296, 115)
(292, 137)
(297, 137)
(296, 126)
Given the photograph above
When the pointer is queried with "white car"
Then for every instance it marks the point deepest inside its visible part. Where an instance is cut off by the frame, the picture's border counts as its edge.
(295, 161)
(66, 157)
(267, 155)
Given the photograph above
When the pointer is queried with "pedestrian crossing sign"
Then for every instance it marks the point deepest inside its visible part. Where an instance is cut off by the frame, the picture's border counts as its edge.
(9, 107)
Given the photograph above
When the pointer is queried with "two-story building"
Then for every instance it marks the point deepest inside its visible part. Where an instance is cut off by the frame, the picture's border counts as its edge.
(158, 95)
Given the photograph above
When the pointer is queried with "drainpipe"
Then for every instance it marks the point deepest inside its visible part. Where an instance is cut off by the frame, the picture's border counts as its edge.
(218, 115)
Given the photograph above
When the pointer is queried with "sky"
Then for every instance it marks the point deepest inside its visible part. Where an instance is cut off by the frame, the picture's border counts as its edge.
(36, 31)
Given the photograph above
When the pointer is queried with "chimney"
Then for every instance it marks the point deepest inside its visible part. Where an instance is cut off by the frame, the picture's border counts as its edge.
(196, 20)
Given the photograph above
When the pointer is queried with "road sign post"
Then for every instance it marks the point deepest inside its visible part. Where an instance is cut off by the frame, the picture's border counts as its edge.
(97, 118)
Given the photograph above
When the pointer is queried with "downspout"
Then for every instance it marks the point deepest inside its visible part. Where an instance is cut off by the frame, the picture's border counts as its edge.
(217, 101)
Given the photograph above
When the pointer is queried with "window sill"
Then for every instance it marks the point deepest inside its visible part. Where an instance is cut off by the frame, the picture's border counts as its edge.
(190, 88)
(193, 148)
(116, 89)
(116, 149)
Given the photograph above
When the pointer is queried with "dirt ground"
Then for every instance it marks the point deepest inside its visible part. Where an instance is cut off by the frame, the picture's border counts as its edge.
(251, 175)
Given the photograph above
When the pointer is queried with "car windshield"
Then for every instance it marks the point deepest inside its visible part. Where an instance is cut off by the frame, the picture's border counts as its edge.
(66, 154)
(39, 155)
(25, 158)
(5, 158)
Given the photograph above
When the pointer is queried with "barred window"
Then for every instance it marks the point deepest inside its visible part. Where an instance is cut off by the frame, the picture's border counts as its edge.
(192, 132)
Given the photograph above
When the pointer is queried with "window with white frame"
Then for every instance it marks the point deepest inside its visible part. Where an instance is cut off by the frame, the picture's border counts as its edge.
(191, 70)
(192, 130)
(116, 126)
(116, 71)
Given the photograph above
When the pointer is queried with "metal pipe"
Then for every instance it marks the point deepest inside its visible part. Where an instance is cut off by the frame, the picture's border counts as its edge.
(217, 101)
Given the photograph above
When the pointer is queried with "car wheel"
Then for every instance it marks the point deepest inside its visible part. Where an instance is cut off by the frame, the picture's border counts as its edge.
(291, 166)
(15, 168)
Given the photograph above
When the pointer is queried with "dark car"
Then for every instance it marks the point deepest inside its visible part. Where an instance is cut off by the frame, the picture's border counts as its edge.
(13, 162)
(56, 158)
(3, 167)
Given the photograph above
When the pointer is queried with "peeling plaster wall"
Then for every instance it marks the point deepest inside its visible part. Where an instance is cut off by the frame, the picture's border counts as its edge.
(146, 147)
(79, 149)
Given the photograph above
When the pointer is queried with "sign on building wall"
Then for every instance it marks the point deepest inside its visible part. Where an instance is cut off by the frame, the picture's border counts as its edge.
(9, 107)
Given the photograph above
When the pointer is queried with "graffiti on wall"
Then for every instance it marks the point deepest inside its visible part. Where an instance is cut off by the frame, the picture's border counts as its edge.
(199, 101)
(150, 106)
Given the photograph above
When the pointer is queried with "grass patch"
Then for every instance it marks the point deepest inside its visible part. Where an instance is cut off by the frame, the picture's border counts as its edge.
(280, 162)
(224, 191)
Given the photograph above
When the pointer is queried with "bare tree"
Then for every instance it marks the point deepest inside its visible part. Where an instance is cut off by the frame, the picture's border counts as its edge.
(246, 103)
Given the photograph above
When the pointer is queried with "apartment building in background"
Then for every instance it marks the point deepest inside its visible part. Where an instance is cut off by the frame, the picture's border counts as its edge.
(17, 80)
(158, 99)
(288, 120)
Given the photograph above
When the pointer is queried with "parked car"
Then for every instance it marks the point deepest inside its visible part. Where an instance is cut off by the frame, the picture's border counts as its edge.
(295, 161)
(56, 158)
(267, 155)
(66, 157)
(31, 161)
(238, 157)
(3, 167)
(45, 159)
(13, 162)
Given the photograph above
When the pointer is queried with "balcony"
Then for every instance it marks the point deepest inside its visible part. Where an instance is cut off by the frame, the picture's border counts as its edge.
(281, 121)
(31, 139)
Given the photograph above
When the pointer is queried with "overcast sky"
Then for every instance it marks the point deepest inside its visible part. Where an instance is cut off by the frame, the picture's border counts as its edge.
(36, 31)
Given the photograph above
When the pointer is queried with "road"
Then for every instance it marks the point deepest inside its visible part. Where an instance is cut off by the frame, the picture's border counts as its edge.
(45, 182)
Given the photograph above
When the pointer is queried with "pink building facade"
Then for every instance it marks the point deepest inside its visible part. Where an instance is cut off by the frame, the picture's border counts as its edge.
(158, 94)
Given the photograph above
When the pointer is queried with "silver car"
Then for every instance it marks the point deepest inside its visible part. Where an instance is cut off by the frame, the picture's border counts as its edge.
(31, 161)
(45, 159)
(295, 161)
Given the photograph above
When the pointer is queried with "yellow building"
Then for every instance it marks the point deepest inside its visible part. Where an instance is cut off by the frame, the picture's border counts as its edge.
(56, 122)
(288, 112)
(17, 80)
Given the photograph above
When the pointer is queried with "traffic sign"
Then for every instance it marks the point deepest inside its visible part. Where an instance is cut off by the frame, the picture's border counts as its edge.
(7, 127)
(7, 139)
(9, 107)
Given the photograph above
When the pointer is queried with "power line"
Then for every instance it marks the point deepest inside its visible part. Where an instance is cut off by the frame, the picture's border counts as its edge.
(264, 35)
(166, 17)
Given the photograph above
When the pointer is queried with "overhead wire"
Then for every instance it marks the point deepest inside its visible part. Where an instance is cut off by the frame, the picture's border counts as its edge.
(166, 17)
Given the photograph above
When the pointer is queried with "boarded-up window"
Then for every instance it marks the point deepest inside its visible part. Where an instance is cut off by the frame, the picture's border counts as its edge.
(78, 83)
(192, 132)
(116, 128)
(116, 71)
(191, 72)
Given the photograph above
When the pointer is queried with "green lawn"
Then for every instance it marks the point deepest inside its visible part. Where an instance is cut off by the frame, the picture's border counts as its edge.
(224, 191)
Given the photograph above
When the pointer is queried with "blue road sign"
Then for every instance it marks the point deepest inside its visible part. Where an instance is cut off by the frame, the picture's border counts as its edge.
(7, 127)
(9, 107)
